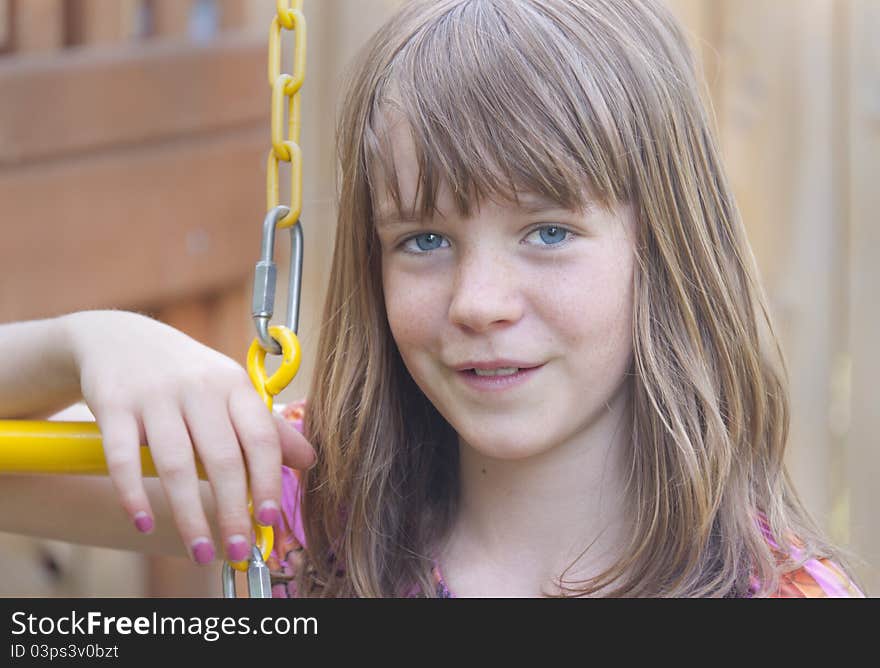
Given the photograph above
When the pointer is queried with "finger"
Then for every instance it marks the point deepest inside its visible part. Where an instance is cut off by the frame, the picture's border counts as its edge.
(261, 445)
(218, 447)
(120, 435)
(172, 452)
(296, 451)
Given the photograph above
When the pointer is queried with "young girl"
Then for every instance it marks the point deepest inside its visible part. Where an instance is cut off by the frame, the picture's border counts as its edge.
(545, 366)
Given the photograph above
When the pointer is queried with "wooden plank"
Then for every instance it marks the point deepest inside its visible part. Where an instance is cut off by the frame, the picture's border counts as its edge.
(131, 229)
(233, 330)
(100, 22)
(91, 100)
(863, 453)
(191, 316)
(37, 25)
(777, 112)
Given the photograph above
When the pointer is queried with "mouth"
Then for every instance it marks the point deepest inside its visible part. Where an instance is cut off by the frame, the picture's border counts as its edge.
(497, 366)
(501, 371)
(498, 379)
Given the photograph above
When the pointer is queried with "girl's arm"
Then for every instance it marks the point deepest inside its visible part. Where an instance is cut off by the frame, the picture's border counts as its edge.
(145, 382)
(38, 375)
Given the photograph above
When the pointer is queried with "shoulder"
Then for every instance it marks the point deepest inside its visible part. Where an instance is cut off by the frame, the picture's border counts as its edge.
(817, 577)
(286, 557)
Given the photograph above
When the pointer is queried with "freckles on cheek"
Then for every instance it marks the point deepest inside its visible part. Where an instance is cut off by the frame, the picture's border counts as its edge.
(408, 313)
(593, 308)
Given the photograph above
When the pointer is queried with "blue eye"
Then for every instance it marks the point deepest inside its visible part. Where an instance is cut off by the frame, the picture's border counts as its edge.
(551, 235)
(432, 242)
(554, 234)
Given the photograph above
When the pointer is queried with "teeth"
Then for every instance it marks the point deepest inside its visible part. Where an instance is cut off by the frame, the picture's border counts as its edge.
(504, 371)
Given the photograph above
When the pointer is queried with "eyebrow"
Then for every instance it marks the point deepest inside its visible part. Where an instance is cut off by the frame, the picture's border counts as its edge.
(388, 219)
(528, 204)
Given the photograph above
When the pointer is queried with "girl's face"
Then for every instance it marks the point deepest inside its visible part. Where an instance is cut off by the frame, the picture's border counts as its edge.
(526, 286)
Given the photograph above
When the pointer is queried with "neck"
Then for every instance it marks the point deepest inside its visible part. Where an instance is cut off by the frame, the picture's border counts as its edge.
(560, 513)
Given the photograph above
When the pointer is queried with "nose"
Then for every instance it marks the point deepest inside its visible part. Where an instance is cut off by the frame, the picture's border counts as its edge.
(486, 291)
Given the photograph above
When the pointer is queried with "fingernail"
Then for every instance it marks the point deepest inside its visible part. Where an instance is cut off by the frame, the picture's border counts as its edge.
(237, 548)
(143, 522)
(314, 462)
(268, 513)
(202, 550)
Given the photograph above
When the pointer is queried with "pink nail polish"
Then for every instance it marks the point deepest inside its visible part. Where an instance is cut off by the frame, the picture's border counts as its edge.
(237, 548)
(268, 513)
(143, 522)
(203, 551)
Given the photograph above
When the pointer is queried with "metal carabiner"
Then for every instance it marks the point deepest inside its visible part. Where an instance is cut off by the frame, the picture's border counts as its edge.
(258, 577)
(263, 305)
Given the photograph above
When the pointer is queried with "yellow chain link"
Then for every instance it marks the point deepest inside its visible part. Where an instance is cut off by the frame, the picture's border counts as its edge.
(291, 354)
(286, 86)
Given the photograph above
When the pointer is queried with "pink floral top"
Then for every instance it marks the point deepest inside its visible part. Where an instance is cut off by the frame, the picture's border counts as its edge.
(817, 578)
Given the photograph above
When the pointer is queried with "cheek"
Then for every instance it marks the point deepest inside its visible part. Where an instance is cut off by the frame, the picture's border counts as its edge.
(408, 310)
(592, 311)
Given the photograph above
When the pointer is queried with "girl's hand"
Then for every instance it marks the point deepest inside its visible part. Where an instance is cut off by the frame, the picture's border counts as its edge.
(149, 383)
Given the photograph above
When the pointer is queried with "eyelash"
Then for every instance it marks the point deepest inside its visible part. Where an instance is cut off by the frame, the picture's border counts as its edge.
(537, 229)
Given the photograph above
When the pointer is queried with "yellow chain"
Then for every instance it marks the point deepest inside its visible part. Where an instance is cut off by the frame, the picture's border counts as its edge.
(284, 148)
(286, 86)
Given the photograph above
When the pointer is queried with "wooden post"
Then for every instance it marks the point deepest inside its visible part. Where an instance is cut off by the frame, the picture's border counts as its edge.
(5, 25)
(94, 22)
(171, 17)
(37, 25)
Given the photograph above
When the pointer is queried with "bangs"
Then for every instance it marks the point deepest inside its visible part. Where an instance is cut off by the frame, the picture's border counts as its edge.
(500, 99)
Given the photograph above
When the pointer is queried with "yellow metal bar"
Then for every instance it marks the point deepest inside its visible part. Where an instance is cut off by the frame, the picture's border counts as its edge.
(61, 447)
(75, 448)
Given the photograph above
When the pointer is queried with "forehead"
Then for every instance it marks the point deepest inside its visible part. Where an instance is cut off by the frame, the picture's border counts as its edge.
(395, 157)
(408, 183)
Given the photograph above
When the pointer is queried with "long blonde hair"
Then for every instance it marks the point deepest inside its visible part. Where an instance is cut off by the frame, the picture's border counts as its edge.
(551, 96)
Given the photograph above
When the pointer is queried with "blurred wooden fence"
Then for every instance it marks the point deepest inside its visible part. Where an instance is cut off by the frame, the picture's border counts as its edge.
(132, 142)
(796, 89)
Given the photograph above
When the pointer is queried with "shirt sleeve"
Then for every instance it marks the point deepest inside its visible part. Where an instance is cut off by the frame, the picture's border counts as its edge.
(286, 556)
(817, 578)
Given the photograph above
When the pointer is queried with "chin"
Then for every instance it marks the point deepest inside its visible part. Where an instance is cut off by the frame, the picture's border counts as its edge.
(503, 448)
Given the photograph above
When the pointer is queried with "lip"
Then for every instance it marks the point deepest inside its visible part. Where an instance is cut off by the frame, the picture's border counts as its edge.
(497, 383)
(495, 364)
